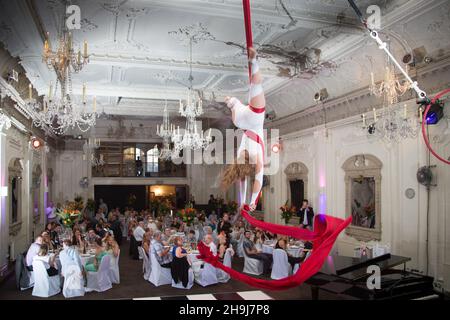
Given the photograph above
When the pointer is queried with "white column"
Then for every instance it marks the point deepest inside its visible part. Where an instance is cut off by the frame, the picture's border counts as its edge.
(4, 228)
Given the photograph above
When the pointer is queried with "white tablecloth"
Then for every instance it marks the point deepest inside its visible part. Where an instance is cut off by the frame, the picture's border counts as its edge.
(293, 251)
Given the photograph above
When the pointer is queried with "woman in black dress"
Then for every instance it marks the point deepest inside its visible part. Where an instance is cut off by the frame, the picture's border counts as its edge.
(180, 264)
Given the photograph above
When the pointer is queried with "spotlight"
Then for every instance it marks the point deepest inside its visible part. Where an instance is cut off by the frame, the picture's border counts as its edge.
(436, 112)
(276, 148)
(36, 143)
(371, 129)
(321, 96)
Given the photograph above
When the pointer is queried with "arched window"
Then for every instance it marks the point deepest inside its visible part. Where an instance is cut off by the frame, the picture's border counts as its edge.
(152, 160)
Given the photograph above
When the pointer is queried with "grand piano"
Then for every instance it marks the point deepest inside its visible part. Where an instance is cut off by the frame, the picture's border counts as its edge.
(346, 278)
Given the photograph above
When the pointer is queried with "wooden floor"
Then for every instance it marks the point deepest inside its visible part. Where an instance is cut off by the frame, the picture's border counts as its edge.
(133, 285)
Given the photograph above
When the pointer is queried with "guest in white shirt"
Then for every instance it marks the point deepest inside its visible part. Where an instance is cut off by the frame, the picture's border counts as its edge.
(33, 251)
(208, 240)
(139, 232)
(47, 259)
(152, 225)
(69, 255)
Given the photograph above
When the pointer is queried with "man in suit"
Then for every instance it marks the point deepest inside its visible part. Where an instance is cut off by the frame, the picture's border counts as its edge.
(306, 220)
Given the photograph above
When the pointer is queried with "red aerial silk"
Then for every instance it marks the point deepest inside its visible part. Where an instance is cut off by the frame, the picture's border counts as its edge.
(326, 230)
(248, 29)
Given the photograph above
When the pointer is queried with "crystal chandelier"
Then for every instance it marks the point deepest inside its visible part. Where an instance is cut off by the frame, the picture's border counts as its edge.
(64, 58)
(191, 109)
(391, 123)
(191, 138)
(165, 131)
(59, 113)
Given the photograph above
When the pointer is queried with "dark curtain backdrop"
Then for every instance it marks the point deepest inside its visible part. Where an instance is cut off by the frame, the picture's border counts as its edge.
(118, 196)
(297, 193)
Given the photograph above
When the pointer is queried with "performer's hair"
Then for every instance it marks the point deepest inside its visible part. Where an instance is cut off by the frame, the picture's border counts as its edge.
(238, 171)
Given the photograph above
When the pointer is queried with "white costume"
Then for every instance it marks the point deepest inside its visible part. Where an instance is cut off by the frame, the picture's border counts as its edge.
(251, 119)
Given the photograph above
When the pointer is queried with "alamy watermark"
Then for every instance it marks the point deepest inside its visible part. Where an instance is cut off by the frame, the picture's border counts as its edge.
(374, 280)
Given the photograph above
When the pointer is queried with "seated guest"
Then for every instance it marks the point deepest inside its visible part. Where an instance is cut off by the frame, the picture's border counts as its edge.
(46, 240)
(70, 255)
(176, 224)
(259, 240)
(50, 229)
(91, 236)
(33, 251)
(251, 252)
(78, 241)
(209, 241)
(99, 229)
(146, 242)
(212, 223)
(180, 265)
(99, 254)
(191, 237)
(162, 254)
(152, 225)
(165, 238)
(224, 224)
(49, 260)
(111, 246)
(224, 244)
(281, 244)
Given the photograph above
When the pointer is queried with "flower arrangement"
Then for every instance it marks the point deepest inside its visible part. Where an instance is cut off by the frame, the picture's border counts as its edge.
(287, 212)
(69, 214)
(187, 215)
(162, 205)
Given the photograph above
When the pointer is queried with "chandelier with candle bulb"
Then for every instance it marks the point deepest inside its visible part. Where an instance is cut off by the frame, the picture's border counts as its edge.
(192, 137)
(59, 111)
(165, 131)
(391, 123)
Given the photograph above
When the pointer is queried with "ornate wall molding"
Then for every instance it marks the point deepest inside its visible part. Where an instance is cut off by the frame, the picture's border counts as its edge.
(433, 78)
(359, 167)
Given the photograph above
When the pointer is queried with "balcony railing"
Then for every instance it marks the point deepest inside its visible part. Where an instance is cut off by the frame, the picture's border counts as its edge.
(140, 170)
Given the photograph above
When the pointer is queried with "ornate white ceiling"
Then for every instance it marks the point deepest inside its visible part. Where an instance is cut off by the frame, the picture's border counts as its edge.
(132, 52)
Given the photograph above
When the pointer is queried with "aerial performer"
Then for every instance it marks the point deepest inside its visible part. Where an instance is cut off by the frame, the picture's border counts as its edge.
(249, 164)
(250, 155)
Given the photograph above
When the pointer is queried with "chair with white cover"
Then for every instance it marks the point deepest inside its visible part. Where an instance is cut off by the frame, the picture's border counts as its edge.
(44, 285)
(222, 276)
(179, 285)
(252, 266)
(146, 266)
(207, 275)
(114, 270)
(73, 281)
(281, 267)
(240, 246)
(100, 281)
(158, 276)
